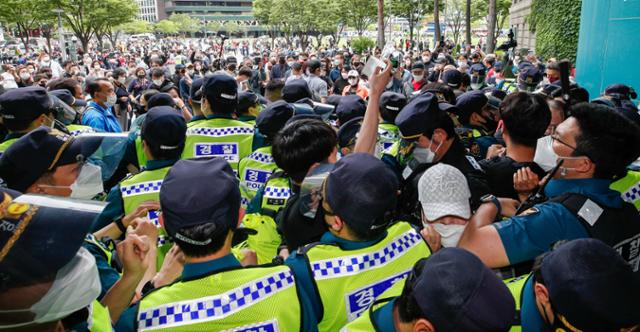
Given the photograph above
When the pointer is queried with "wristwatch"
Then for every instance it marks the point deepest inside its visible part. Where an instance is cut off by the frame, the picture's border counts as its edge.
(489, 198)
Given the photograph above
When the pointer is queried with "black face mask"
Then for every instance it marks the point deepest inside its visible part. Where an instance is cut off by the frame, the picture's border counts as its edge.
(490, 125)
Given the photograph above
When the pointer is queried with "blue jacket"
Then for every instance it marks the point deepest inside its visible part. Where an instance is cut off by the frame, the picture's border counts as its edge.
(534, 231)
(101, 119)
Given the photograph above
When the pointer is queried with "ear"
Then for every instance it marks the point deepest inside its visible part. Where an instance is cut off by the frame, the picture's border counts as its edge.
(585, 165)
(423, 325)
(337, 224)
(442, 135)
(541, 292)
(476, 117)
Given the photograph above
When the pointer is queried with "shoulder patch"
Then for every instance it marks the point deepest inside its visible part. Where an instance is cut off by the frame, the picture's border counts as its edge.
(530, 211)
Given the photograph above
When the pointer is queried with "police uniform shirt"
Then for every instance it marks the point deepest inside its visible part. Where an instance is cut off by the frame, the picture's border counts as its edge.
(499, 174)
(534, 231)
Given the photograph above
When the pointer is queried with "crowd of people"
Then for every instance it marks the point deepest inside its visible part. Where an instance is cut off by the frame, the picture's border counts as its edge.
(166, 186)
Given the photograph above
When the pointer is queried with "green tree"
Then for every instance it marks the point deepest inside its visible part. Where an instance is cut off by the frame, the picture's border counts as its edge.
(137, 26)
(108, 25)
(455, 18)
(231, 27)
(360, 14)
(412, 10)
(213, 26)
(262, 11)
(167, 27)
(556, 24)
(185, 23)
(362, 44)
(26, 15)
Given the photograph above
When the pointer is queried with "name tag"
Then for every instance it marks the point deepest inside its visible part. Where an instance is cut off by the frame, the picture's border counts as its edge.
(254, 178)
(360, 300)
(227, 151)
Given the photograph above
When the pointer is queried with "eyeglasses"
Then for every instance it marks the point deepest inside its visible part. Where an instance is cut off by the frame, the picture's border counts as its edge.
(352, 77)
(556, 138)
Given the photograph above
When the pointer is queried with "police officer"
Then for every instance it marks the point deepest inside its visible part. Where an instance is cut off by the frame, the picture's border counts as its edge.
(449, 291)
(163, 135)
(248, 107)
(363, 253)
(200, 201)
(195, 100)
(71, 116)
(351, 106)
(23, 110)
(478, 73)
(220, 135)
(391, 104)
(348, 136)
(258, 167)
(428, 137)
(594, 146)
(528, 78)
(49, 280)
(479, 119)
(582, 285)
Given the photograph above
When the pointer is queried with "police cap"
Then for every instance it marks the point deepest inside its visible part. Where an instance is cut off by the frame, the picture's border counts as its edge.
(197, 192)
(274, 117)
(415, 118)
(163, 126)
(25, 104)
(351, 106)
(295, 90)
(348, 132)
(222, 93)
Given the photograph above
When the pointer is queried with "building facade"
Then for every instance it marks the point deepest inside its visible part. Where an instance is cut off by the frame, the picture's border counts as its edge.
(519, 13)
(148, 10)
(239, 11)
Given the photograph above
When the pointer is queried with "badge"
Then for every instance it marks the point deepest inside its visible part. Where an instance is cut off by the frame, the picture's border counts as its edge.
(17, 208)
(529, 211)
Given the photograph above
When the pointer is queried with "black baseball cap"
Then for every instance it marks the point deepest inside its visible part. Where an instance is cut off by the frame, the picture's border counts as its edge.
(361, 189)
(351, 106)
(199, 191)
(195, 92)
(348, 132)
(471, 102)
(221, 91)
(620, 91)
(49, 236)
(417, 115)
(392, 102)
(274, 117)
(452, 78)
(164, 127)
(457, 292)
(25, 104)
(41, 151)
(160, 99)
(313, 65)
(295, 90)
(591, 286)
(67, 97)
(478, 68)
(417, 65)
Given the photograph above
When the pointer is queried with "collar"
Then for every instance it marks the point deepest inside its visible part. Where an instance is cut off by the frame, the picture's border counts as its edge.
(194, 270)
(97, 106)
(455, 154)
(157, 164)
(596, 189)
(246, 118)
(529, 314)
(219, 116)
(197, 118)
(14, 135)
(344, 244)
(383, 317)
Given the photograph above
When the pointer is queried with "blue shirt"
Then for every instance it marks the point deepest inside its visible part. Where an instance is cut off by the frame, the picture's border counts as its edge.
(115, 207)
(383, 317)
(530, 318)
(101, 119)
(526, 236)
(301, 269)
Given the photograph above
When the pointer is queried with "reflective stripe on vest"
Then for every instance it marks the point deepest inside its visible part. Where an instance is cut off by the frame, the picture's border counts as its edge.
(231, 300)
(629, 188)
(77, 130)
(142, 188)
(254, 171)
(99, 319)
(388, 134)
(219, 132)
(6, 144)
(361, 276)
(142, 159)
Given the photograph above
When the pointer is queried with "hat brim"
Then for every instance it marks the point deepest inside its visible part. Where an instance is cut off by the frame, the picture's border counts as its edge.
(80, 146)
(448, 108)
(435, 211)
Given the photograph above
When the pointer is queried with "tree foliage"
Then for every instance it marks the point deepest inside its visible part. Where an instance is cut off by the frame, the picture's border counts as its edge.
(412, 10)
(137, 26)
(167, 27)
(185, 23)
(359, 13)
(361, 44)
(109, 25)
(556, 24)
(231, 27)
(27, 15)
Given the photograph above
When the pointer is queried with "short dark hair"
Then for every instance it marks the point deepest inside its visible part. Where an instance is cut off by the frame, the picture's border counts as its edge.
(302, 143)
(202, 233)
(608, 138)
(445, 90)
(157, 72)
(68, 84)
(408, 308)
(439, 119)
(245, 71)
(526, 117)
(93, 86)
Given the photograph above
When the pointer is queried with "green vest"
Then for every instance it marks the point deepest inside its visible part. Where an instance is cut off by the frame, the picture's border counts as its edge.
(349, 281)
(142, 159)
(516, 286)
(254, 171)
(277, 191)
(388, 135)
(510, 86)
(261, 298)
(194, 122)
(266, 241)
(77, 130)
(223, 138)
(108, 254)
(364, 323)
(142, 187)
(6, 144)
(99, 319)
(629, 187)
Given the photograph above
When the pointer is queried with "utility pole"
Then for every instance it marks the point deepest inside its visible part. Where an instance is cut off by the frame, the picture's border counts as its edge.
(63, 50)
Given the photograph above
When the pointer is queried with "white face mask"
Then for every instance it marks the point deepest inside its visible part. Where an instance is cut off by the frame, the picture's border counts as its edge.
(417, 78)
(77, 284)
(89, 182)
(122, 80)
(290, 63)
(545, 157)
(449, 234)
(25, 76)
(425, 59)
(425, 156)
(158, 82)
(46, 59)
(353, 81)
(111, 100)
